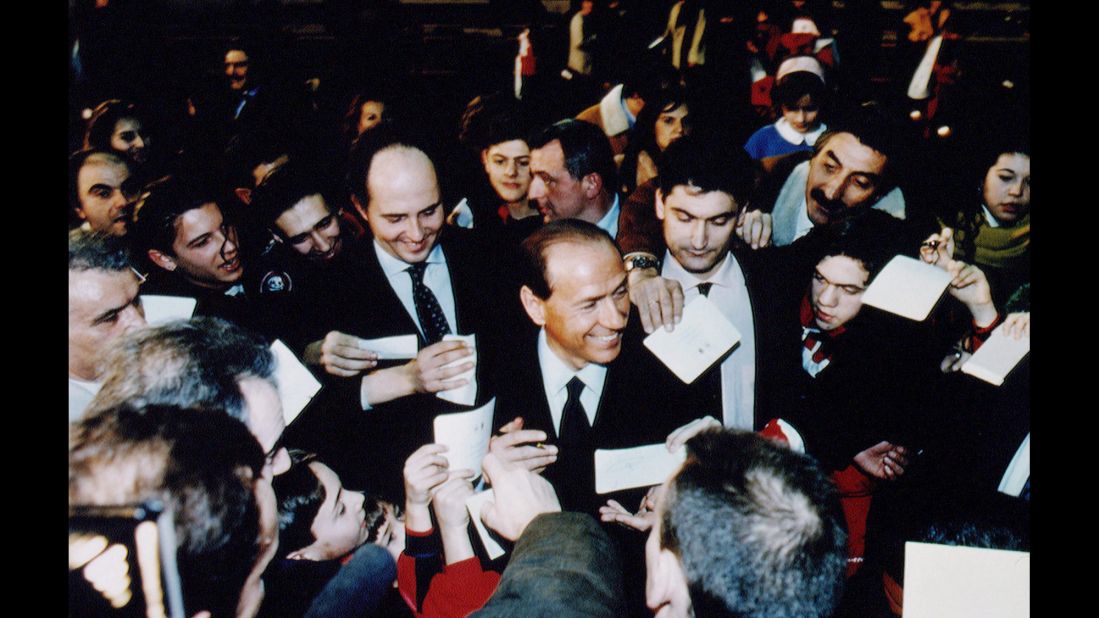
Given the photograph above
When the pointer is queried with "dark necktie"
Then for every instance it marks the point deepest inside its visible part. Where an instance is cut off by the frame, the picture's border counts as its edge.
(432, 320)
(574, 421)
(712, 397)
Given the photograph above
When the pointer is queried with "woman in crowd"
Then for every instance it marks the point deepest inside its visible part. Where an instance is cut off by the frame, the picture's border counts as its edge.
(661, 122)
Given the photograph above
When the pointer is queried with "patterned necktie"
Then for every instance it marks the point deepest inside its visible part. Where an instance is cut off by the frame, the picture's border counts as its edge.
(574, 421)
(432, 320)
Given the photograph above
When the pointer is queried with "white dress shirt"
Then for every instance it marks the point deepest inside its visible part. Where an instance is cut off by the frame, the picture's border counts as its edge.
(436, 278)
(556, 375)
(609, 222)
(738, 370)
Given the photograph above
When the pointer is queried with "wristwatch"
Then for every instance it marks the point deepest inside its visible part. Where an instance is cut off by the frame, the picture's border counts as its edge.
(641, 260)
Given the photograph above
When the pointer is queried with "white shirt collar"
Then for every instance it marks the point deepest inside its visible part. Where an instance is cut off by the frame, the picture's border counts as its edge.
(609, 222)
(992, 222)
(789, 134)
(392, 266)
(556, 375)
(725, 275)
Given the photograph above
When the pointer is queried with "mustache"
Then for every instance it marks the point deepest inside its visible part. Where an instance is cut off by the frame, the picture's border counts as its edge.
(830, 206)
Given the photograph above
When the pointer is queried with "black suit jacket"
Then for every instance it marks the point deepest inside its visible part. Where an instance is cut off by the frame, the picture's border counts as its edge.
(370, 447)
(640, 404)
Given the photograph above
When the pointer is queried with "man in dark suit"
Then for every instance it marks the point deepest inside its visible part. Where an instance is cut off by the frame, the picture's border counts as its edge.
(572, 384)
(410, 276)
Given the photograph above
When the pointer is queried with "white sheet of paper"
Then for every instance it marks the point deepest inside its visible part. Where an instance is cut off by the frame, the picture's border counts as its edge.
(701, 338)
(997, 357)
(297, 386)
(907, 287)
(160, 309)
(398, 347)
(466, 436)
(473, 505)
(945, 581)
(463, 395)
(626, 468)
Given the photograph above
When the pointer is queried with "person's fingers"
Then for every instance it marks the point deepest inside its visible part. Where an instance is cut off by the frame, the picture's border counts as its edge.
(514, 425)
(444, 373)
(353, 352)
(442, 347)
(445, 358)
(663, 313)
(522, 436)
(677, 304)
(488, 515)
(645, 309)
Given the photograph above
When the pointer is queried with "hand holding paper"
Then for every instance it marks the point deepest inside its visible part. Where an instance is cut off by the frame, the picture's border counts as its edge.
(466, 435)
(465, 394)
(341, 354)
(520, 496)
(703, 337)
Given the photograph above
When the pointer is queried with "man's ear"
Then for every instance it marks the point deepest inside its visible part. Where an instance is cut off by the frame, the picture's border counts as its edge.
(243, 194)
(84, 216)
(592, 185)
(162, 260)
(533, 305)
(359, 207)
(667, 584)
(659, 204)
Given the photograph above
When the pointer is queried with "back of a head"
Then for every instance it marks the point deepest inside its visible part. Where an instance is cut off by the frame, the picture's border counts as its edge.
(708, 164)
(188, 363)
(90, 250)
(757, 528)
(202, 466)
(586, 149)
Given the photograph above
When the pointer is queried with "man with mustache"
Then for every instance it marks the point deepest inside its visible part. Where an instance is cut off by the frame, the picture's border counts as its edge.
(848, 173)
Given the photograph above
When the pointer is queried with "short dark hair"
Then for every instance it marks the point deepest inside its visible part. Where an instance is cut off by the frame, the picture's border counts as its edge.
(91, 250)
(155, 220)
(203, 467)
(875, 128)
(78, 160)
(196, 363)
(300, 495)
(757, 528)
(793, 86)
(104, 117)
(536, 247)
(285, 187)
(586, 149)
(708, 165)
(872, 237)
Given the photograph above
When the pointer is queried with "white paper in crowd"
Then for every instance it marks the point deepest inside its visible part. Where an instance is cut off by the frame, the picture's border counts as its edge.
(997, 357)
(297, 386)
(160, 309)
(907, 287)
(1018, 471)
(946, 581)
(463, 395)
(473, 505)
(703, 336)
(626, 468)
(398, 347)
(466, 435)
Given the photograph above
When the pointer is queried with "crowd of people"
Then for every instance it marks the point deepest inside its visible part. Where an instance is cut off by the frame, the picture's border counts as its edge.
(529, 251)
